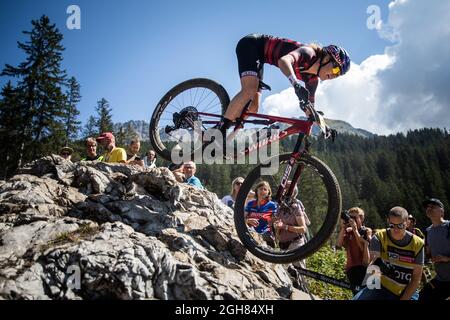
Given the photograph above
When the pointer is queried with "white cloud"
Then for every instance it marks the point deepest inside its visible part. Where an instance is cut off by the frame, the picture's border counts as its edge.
(405, 88)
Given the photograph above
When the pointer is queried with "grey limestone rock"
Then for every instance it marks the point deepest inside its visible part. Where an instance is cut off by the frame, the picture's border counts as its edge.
(93, 230)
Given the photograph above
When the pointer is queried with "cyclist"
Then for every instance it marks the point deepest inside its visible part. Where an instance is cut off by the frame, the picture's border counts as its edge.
(302, 64)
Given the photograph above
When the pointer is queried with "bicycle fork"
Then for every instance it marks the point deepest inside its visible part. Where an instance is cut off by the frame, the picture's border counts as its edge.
(294, 157)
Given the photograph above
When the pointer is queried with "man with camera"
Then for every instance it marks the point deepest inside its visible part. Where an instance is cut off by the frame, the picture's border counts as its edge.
(132, 153)
(355, 237)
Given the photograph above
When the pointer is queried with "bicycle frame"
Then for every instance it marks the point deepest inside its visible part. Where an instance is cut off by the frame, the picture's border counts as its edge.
(297, 126)
(302, 127)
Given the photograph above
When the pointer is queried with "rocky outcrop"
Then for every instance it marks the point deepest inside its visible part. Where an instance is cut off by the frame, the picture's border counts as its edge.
(93, 230)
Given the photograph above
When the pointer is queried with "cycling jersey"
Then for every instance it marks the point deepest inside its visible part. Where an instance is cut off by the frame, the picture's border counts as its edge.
(261, 212)
(256, 49)
(401, 258)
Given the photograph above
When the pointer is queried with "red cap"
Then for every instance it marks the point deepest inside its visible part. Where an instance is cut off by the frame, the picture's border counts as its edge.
(105, 135)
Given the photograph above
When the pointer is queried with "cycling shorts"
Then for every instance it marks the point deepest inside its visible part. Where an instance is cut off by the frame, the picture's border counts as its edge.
(250, 55)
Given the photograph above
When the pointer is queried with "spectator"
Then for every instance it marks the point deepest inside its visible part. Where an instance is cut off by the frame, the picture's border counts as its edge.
(133, 150)
(355, 237)
(438, 248)
(411, 227)
(291, 225)
(66, 153)
(230, 199)
(259, 212)
(112, 154)
(250, 196)
(177, 170)
(91, 150)
(400, 256)
(150, 159)
(189, 170)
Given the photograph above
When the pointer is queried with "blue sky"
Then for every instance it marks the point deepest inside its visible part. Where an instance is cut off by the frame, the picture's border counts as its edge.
(132, 52)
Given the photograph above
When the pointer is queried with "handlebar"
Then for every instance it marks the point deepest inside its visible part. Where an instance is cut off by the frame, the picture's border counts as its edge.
(317, 117)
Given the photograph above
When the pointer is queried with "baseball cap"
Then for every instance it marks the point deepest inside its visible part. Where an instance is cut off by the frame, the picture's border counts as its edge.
(105, 135)
(66, 149)
(433, 201)
(175, 166)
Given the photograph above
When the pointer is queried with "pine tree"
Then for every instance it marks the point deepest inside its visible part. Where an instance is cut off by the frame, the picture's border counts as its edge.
(104, 120)
(39, 86)
(72, 125)
(9, 117)
(90, 128)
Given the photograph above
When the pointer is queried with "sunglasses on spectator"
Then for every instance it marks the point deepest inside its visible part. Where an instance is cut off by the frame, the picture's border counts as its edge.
(91, 145)
(238, 183)
(65, 154)
(399, 226)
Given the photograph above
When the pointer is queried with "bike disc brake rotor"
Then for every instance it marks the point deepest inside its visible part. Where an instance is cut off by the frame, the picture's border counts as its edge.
(186, 118)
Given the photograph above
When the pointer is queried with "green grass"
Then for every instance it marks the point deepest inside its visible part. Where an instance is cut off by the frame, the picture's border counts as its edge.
(332, 264)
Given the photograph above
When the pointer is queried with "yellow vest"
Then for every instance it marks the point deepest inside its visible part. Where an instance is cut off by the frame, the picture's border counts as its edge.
(402, 259)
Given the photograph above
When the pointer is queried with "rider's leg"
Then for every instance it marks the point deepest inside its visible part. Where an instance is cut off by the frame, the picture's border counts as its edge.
(249, 51)
(254, 106)
(248, 92)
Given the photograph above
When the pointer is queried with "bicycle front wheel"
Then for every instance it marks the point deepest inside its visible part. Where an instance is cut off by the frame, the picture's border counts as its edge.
(318, 192)
(202, 101)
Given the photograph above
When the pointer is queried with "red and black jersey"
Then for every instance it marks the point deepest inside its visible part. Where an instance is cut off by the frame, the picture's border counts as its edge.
(256, 49)
(304, 57)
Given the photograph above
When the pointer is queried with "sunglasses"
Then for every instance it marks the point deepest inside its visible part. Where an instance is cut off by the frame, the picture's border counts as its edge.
(65, 154)
(91, 145)
(336, 69)
(238, 183)
(399, 226)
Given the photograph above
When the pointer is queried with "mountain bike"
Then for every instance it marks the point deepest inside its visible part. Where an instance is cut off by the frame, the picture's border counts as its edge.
(197, 105)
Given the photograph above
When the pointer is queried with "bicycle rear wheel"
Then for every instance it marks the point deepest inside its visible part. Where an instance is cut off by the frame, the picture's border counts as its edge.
(171, 122)
(320, 195)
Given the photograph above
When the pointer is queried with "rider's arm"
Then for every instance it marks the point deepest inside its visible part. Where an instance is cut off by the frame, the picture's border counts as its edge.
(285, 63)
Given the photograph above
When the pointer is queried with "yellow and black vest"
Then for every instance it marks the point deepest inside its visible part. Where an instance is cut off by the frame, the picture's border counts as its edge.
(402, 259)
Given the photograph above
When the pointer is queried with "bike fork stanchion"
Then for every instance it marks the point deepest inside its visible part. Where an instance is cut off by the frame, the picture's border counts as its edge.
(289, 167)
